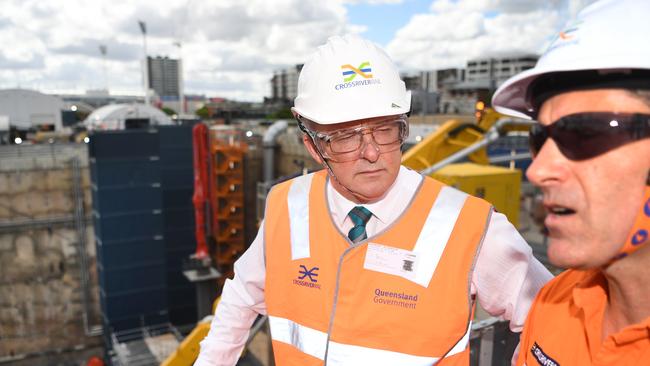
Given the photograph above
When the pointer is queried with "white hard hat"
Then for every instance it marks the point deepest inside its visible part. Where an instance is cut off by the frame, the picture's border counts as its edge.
(608, 36)
(348, 79)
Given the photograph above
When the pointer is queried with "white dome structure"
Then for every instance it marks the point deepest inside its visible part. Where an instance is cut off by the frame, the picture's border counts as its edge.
(119, 116)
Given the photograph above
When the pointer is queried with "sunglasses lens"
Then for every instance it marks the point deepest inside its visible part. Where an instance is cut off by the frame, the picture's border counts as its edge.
(537, 138)
(586, 135)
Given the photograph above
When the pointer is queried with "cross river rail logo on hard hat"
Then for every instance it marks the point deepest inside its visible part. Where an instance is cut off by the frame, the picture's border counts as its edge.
(350, 73)
(567, 36)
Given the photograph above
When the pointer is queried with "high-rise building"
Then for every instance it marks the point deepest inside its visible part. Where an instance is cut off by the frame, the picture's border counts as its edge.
(498, 69)
(163, 76)
(284, 84)
(437, 80)
(411, 82)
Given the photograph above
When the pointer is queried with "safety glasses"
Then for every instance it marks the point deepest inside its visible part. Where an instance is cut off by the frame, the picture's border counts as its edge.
(347, 144)
(583, 136)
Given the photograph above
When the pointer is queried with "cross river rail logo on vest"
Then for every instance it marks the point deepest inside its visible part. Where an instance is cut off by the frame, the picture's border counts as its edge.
(304, 275)
(541, 357)
(350, 73)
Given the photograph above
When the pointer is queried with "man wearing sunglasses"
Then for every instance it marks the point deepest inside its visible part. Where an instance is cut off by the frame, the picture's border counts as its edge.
(590, 93)
(366, 262)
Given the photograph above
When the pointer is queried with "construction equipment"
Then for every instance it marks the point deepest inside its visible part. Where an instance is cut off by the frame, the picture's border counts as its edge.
(201, 188)
(455, 136)
(144, 346)
(219, 211)
(497, 185)
(456, 141)
(452, 136)
(188, 350)
(227, 148)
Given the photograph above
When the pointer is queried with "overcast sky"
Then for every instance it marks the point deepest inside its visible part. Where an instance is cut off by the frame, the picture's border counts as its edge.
(231, 47)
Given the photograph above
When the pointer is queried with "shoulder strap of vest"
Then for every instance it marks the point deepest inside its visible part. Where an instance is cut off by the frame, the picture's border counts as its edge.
(296, 192)
(437, 230)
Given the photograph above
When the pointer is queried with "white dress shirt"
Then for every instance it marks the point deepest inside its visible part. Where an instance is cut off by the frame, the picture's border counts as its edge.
(506, 276)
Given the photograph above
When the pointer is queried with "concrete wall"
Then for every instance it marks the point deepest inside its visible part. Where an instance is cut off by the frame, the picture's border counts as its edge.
(43, 300)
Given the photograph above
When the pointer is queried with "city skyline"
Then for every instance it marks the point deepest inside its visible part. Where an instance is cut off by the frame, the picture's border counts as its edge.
(231, 49)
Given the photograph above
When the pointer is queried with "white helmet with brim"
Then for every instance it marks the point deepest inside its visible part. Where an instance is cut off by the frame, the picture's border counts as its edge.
(348, 79)
(607, 45)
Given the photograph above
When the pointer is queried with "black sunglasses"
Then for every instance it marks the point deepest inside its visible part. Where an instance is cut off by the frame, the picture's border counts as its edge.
(583, 136)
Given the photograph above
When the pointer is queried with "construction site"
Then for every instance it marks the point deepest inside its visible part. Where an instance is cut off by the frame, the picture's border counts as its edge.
(324, 183)
(117, 249)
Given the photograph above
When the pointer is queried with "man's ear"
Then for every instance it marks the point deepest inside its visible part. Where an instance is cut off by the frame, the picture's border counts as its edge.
(309, 145)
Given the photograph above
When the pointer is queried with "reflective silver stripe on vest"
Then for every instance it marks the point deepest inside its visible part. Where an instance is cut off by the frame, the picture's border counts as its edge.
(345, 354)
(436, 232)
(298, 202)
(312, 342)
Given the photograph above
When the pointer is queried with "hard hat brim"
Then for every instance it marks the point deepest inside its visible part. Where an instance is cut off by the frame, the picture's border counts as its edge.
(513, 97)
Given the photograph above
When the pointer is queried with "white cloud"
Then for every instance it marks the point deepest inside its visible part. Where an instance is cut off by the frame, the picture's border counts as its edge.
(455, 31)
(506, 6)
(229, 47)
(373, 2)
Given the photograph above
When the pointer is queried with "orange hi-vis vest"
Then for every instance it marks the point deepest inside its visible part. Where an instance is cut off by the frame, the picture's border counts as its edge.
(400, 297)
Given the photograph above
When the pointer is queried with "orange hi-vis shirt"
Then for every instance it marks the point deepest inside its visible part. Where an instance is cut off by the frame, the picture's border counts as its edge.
(564, 326)
(401, 297)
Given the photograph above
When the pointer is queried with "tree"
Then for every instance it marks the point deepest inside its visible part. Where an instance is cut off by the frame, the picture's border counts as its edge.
(203, 112)
(284, 113)
(168, 111)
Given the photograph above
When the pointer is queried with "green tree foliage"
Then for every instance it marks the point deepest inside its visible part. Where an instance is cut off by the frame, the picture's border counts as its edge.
(168, 111)
(284, 113)
(203, 112)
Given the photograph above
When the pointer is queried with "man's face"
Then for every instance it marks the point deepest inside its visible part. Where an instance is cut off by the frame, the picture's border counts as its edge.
(602, 194)
(365, 179)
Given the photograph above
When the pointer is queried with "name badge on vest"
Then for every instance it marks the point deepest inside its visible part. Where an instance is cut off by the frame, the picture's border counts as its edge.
(393, 261)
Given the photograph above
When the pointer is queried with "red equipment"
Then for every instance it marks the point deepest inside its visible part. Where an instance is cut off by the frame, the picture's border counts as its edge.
(200, 199)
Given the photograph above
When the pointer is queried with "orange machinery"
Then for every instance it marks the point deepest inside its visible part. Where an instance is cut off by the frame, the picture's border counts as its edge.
(219, 197)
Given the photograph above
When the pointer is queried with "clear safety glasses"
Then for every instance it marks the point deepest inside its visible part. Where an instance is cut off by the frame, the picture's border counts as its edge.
(348, 144)
(583, 136)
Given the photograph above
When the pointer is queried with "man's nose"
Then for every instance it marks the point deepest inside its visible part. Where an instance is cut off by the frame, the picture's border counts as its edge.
(369, 148)
(549, 166)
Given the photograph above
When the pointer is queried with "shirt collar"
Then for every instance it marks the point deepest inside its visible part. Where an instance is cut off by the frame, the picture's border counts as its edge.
(590, 295)
(382, 209)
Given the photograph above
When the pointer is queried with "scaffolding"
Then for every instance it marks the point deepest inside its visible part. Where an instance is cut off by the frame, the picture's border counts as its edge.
(145, 346)
(227, 149)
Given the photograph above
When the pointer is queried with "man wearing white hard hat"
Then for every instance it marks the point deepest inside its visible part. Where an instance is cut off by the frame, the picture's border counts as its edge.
(367, 262)
(590, 93)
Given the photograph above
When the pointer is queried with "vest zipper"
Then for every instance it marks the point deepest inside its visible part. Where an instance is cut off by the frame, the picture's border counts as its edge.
(336, 295)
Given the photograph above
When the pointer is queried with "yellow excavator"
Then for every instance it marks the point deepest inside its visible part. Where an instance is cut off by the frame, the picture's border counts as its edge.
(435, 155)
(438, 154)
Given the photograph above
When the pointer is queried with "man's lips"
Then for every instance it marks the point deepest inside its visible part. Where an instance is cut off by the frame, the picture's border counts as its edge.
(557, 215)
(553, 208)
(373, 171)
